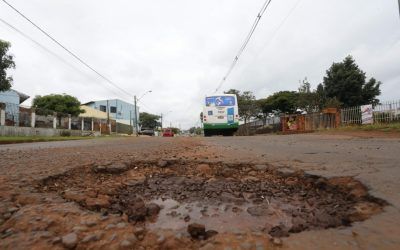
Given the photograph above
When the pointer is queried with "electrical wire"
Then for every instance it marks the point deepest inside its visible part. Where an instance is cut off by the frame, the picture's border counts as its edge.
(245, 43)
(15, 29)
(271, 38)
(68, 51)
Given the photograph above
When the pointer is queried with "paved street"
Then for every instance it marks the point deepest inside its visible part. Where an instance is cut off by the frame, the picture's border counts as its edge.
(47, 188)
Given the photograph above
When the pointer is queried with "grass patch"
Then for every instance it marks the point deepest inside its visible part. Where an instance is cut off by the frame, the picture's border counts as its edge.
(23, 139)
(390, 127)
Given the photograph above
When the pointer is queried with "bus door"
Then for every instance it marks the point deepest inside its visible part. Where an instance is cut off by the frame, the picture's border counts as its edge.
(231, 115)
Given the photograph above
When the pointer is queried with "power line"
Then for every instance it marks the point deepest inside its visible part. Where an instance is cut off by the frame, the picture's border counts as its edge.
(49, 51)
(67, 50)
(144, 106)
(274, 33)
(246, 41)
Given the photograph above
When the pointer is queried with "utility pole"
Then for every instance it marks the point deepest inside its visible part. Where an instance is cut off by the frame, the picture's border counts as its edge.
(136, 121)
(399, 8)
(116, 116)
(130, 120)
(108, 118)
(161, 114)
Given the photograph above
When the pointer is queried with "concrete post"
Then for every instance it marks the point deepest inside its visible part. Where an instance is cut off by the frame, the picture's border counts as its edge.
(33, 118)
(69, 122)
(2, 117)
(54, 120)
(92, 125)
(82, 123)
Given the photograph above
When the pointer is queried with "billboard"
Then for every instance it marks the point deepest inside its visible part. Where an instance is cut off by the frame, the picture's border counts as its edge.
(220, 101)
(366, 114)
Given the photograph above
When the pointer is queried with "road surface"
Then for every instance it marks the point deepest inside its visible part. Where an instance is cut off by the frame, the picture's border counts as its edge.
(51, 193)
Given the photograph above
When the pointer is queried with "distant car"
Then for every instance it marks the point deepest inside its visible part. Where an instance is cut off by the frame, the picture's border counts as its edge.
(167, 132)
(147, 131)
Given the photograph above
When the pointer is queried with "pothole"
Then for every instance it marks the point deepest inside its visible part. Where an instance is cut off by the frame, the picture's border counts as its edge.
(226, 198)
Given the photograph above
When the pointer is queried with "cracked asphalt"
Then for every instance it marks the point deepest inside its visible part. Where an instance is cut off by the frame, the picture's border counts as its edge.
(372, 160)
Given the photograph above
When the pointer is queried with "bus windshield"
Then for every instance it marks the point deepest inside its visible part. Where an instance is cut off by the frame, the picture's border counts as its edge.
(220, 101)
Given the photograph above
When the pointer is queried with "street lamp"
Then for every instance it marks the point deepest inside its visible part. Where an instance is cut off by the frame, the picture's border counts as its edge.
(136, 119)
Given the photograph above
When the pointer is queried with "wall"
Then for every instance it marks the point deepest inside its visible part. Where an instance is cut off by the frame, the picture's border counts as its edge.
(23, 131)
(11, 98)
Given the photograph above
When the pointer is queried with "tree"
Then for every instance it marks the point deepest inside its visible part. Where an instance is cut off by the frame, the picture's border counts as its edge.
(149, 120)
(176, 131)
(320, 96)
(6, 62)
(371, 91)
(307, 100)
(62, 104)
(247, 104)
(283, 101)
(346, 82)
(195, 130)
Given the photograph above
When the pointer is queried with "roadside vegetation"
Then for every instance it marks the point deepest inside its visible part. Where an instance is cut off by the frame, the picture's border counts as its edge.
(344, 85)
(383, 127)
(24, 139)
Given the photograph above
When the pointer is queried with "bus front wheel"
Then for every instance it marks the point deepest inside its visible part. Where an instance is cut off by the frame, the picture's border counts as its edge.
(207, 133)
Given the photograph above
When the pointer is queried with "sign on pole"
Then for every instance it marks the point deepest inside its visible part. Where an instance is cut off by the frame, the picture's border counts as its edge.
(366, 114)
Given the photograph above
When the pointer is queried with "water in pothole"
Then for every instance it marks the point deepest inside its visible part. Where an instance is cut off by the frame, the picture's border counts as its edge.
(225, 198)
(220, 217)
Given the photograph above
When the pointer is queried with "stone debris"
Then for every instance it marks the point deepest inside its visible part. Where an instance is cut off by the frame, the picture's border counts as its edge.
(70, 240)
(196, 230)
(162, 163)
(115, 168)
(277, 241)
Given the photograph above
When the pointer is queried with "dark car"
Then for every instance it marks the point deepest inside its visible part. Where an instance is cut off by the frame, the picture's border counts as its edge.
(147, 131)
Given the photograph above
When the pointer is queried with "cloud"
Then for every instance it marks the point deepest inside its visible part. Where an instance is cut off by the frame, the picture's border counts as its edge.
(181, 49)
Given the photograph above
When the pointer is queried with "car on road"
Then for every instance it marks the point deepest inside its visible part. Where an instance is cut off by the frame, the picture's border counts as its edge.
(167, 132)
(147, 131)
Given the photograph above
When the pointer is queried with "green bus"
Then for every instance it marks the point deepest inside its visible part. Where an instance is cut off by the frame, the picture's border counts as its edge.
(220, 115)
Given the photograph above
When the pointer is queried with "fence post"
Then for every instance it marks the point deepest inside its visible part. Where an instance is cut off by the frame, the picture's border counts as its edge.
(82, 123)
(69, 122)
(92, 125)
(54, 120)
(33, 118)
(2, 114)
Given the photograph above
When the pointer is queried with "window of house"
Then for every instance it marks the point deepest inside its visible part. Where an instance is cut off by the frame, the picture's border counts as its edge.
(103, 108)
(113, 109)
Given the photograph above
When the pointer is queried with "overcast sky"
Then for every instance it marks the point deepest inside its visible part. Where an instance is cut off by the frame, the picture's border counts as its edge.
(180, 49)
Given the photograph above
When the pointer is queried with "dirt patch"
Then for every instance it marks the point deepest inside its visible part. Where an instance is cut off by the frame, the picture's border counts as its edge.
(226, 198)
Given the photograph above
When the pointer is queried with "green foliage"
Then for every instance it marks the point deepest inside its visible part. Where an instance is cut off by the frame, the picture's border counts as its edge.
(176, 131)
(149, 120)
(347, 82)
(284, 101)
(320, 97)
(332, 103)
(371, 91)
(6, 62)
(306, 99)
(195, 130)
(247, 104)
(62, 104)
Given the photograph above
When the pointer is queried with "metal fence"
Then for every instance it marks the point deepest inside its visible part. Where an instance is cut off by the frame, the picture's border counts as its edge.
(260, 126)
(385, 112)
(315, 121)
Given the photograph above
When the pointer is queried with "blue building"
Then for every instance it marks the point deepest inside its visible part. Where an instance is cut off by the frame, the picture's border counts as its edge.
(11, 100)
(121, 111)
